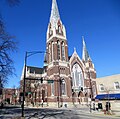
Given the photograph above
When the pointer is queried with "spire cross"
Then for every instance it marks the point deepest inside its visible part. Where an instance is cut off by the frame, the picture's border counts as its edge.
(74, 49)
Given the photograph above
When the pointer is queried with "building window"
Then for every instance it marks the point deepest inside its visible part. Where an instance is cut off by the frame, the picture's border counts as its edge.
(50, 31)
(52, 58)
(77, 76)
(59, 29)
(101, 87)
(49, 50)
(63, 51)
(52, 89)
(58, 50)
(73, 80)
(32, 71)
(116, 85)
(28, 70)
(63, 87)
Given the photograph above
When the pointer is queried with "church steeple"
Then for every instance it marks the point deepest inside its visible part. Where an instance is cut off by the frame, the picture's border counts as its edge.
(85, 54)
(55, 27)
(54, 14)
(57, 59)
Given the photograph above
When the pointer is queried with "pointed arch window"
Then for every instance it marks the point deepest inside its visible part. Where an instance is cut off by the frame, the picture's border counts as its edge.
(73, 80)
(77, 76)
(49, 50)
(58, 50)
(59, 29)
(52, 56)
(52, 89)
(63, 51)
(50, 31)
(63, 87)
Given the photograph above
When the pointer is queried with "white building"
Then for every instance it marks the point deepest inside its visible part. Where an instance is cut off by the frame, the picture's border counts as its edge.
(109, 90)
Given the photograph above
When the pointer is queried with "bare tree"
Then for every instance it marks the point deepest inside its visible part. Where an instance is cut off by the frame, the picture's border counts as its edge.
(7, 46)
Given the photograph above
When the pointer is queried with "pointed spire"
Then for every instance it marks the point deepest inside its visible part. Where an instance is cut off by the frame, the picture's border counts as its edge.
(74, 49)
(75, 53)
(54, 14)
(85, 55)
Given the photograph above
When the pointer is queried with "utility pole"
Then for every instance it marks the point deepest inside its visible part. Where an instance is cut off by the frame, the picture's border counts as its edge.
(27, 54)
(91, 95)
(59, 89)
(23, 100)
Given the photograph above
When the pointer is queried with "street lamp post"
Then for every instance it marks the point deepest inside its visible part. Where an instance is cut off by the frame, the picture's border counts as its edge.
(24, 85)
(35, 92)
(59, 88)
(39, 92)
(58, 94)
(91, 94)
(27, 54)
(46, 96)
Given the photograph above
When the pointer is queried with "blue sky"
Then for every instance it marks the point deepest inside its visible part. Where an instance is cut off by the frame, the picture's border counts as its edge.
(97, 20)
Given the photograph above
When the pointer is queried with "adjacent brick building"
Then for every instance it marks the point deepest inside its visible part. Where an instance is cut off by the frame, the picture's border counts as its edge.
(10, 96)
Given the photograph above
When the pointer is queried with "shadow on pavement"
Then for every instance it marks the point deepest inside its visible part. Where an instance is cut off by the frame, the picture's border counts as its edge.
(14, 113)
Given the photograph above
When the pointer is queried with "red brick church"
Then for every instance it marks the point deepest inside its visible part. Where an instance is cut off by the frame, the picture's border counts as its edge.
(63, 79)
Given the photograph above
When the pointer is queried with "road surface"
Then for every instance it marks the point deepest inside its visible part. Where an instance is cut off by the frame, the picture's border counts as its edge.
(50, 113)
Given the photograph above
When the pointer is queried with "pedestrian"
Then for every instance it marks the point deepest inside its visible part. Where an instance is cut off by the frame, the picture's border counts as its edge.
(106, 106)
(32, 103)
(94, 106)
(42, 102)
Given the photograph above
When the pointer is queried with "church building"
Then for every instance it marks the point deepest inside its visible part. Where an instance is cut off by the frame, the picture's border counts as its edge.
(63, 80)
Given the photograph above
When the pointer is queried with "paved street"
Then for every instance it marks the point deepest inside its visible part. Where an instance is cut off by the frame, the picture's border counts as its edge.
(47, 113)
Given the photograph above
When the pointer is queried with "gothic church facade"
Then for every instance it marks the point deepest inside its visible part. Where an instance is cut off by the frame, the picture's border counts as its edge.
(66, 80)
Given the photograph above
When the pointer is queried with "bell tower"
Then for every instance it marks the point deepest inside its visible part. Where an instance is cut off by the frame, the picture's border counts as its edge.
(56, 37)
(57, 59)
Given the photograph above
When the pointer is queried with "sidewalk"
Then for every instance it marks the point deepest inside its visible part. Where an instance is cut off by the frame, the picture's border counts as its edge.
(114, 113)
(84, 109)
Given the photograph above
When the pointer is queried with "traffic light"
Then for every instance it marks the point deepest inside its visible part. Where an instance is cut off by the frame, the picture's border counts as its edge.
(81, 88)
(41, 80)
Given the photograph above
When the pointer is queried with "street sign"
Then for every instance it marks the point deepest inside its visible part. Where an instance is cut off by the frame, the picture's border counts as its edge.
(14, 96)
(29, 92)
(50, 81)
(76, 90)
